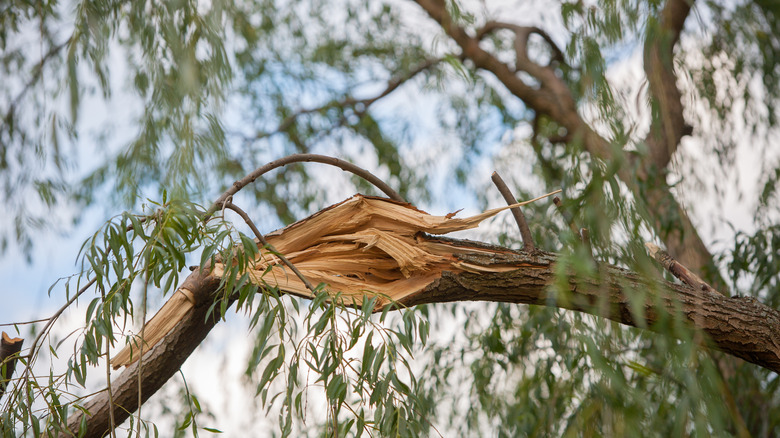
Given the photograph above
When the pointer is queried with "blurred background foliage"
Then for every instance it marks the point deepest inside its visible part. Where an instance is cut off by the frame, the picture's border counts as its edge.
(107, 103)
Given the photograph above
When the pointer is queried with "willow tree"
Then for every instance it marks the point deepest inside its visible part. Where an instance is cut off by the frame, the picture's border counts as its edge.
(637, 110)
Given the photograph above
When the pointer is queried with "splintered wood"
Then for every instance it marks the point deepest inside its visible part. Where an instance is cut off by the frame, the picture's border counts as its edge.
(362, 247)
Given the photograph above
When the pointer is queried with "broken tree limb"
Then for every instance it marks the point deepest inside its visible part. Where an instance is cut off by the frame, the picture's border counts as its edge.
(364, 245)
(160, 363)
(378, 247)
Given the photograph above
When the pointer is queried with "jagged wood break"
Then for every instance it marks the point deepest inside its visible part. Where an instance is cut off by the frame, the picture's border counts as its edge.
(362, 247)
(367, 247)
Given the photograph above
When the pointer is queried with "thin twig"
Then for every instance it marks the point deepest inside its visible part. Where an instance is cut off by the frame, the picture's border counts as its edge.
(112, 420)
(141, 354)
(38, 71)
(24, 322)
(525, 232)
(299, 158)
(359, 105)
(265, 243)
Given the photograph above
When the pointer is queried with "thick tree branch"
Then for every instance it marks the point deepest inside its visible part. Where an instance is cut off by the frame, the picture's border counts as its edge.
(386, 247)
(555, 101)
(159, 364)
(668, 124)
(743, 328)
(740, 327)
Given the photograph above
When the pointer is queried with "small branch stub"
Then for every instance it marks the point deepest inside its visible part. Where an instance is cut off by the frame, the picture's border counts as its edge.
(9, 352)
(678, 270)
(525, 232)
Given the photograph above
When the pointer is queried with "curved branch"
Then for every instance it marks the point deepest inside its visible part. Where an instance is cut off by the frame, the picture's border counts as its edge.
(301, 158)
(522, 33)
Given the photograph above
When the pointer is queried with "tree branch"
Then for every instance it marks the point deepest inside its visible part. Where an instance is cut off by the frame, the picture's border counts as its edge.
(517, 213)
(299, 158)
(668, 124)
(360, 105)
(555, 101)
(743, 328)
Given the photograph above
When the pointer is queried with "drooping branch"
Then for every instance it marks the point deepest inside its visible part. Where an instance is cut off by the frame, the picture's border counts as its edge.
(385, 246)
